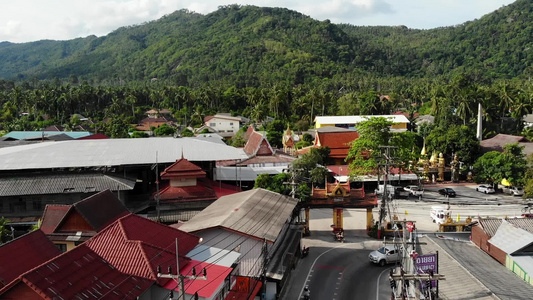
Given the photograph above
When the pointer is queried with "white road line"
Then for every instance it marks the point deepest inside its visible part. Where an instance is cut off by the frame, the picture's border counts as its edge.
(377, 284)
(314, 262)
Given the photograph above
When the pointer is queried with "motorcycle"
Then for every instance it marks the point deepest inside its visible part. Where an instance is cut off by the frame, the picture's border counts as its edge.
(305, 251)
(339, 236)
(307, 293)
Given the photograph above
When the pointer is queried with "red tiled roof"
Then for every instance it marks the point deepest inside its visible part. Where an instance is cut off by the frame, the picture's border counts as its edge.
(248, 132)
(215, 277)
(52, 215)
(337, 140)
(257, 144)
(96, 136)
(187, 193)
(23, 254)
(78, 274)
(136, 246)
(221, 189)
(207, 118)
(183, 168)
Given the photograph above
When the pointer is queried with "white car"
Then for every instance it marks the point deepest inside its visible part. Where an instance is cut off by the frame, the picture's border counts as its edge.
(515, 191)
(485, 188)
(385, 255)
(414, 190)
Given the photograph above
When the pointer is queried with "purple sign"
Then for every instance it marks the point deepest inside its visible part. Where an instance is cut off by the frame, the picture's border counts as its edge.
(425, 263)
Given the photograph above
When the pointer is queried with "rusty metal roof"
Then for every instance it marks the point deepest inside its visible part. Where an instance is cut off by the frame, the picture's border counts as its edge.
(41, 184)
(258, 212)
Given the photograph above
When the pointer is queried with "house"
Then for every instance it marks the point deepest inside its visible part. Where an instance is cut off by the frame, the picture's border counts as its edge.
(500, 140)
(262, 159)
(186, 191)
(33, 175)
(27, 194)
(24, 253)
(223, 124)
(76, 274)
(400, 121)
(338, 140)
(132, 258)
(70, 225)
(252, 223)
(509, 241)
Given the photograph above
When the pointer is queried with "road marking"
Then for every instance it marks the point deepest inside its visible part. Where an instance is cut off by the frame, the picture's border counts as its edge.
(377, 284)
(313, 265)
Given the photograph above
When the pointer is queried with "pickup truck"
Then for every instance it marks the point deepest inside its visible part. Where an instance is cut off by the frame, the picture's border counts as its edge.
(414, 190)
(385, 255)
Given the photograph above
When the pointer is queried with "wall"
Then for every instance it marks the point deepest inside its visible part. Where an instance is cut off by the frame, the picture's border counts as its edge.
(480, 238)
(183, 182)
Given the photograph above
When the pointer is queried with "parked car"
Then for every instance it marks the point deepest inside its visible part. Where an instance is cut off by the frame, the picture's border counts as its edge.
(447, 192)
(400, 192)
(513, 190)
(485, 188)
(385, 255)
(414, 190)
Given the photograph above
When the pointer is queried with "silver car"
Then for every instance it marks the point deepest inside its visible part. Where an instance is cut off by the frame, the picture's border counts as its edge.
(485, 188)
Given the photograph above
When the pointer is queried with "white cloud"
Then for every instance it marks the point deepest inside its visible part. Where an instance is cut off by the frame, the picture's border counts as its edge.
(30, 20)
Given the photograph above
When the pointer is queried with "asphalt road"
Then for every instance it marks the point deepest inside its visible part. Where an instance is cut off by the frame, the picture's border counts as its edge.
(340, 272)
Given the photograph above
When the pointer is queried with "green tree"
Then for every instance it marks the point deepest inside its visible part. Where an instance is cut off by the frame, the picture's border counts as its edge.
(4, 232)
(494, 166)
(164, 130)
(364, 153)
(274, 133)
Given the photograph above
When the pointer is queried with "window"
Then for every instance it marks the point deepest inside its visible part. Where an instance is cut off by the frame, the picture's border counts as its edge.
(231, 124)
(62, 247)
(212, 124)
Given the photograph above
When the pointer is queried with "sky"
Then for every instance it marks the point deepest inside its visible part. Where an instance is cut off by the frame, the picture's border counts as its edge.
(31, 20)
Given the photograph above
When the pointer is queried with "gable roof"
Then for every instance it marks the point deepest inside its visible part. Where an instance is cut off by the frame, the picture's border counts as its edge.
(510, 238)
(98, 210)
(338, 142)
(258, 144)
(52, 216)
(24, 253)
(78, 274)
(182, 168)
(497, 142)
(259, 213)
(136, 246)
(491, 225)
(101, 209)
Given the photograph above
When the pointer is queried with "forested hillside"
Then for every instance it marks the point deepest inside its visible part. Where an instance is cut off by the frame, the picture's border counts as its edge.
(253, 46)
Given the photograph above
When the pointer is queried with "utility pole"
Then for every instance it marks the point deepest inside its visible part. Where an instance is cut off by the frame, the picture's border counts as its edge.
(385, 195)
(264, 267)
(179, 278)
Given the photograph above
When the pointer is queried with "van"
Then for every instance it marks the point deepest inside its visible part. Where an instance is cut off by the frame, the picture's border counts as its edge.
(439, 214)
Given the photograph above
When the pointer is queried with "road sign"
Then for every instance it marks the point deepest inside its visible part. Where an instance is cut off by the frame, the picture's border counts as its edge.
(410, 226)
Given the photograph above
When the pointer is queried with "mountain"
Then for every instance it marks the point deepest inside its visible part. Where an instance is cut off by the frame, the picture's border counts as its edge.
(252, 46)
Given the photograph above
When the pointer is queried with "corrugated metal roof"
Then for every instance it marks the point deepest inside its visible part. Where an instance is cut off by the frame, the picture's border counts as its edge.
(510, 238)
(136, 246)
(62, 183)
(23, 254)
(213, 255)
(81, 274)
(114, 152)
(20, 135)
(258, 212)
(490, 225)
